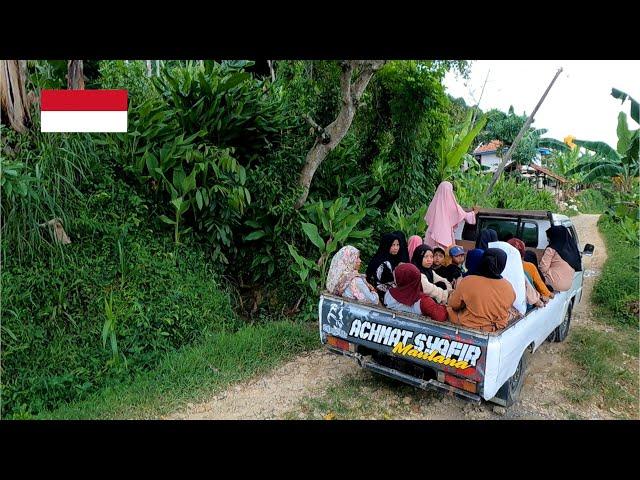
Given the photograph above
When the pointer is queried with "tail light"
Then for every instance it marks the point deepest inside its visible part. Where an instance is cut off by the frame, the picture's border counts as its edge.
(341, 344)
(457, 382)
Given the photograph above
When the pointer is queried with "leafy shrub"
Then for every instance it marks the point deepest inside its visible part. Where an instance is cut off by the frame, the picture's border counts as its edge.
(331, 226)
(42, 177)
(591, 200)
(117, 281)
(507, 193)
(131, 76)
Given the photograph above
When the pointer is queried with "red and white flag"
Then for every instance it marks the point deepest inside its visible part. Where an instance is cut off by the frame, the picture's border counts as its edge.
(83, 111)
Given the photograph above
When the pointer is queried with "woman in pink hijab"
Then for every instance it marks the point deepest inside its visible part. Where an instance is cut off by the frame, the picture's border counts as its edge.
(414, 242)
(443, 215)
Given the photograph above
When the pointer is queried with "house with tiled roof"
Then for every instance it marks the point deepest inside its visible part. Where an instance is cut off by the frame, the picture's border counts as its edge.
(487, 155)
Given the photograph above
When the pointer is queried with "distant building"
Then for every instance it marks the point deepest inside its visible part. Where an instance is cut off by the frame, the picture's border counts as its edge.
(487, 155)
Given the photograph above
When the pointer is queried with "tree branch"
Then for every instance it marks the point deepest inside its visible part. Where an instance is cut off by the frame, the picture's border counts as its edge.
(321, 132)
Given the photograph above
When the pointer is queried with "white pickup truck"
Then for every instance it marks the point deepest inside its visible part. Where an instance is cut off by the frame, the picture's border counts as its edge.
(463, 362)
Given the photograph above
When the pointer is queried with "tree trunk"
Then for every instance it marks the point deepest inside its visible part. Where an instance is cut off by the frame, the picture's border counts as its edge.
(273, 73)
(329, 137)
(14, 102)
(75, 75)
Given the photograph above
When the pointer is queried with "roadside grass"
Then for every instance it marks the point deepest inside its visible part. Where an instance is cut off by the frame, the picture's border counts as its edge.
(608, 359)
(617, 289)
(609, 370)
(196, 372)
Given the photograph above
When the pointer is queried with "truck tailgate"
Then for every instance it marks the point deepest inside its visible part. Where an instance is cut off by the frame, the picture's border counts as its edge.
(441, 347)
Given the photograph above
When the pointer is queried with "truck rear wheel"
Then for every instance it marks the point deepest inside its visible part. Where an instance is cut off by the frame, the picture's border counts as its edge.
(562, 330)
(510, 391)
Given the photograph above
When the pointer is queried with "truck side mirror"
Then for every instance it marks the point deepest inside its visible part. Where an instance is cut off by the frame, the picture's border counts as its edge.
(588, 250)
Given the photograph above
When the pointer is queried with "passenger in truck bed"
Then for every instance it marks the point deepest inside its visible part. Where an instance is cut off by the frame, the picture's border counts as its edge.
(345, 280)
(561, 258)
(432, 283)
(483, 301)
(381, 266)
(531, 271)
(514, 273)
(407, 295)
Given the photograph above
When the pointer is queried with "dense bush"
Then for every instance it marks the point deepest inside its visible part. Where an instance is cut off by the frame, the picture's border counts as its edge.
(507, 193)
(591, 200)
(160, 299)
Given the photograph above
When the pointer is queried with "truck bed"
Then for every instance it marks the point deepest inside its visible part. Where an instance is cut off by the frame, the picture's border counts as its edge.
(394, 343)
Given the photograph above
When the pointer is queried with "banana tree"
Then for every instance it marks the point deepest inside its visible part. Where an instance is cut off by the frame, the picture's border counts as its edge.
(454, 145)
(606, 163)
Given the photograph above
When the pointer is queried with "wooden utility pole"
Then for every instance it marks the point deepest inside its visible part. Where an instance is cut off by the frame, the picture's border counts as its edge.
(524, 128)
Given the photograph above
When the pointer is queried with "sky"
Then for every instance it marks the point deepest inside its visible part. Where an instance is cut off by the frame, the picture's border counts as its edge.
(578, 104)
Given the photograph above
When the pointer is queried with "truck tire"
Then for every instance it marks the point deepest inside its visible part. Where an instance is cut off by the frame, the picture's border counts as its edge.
(562, 330)
(510, 391)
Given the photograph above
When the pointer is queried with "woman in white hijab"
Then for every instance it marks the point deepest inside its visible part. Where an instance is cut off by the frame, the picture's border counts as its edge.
(514, 273)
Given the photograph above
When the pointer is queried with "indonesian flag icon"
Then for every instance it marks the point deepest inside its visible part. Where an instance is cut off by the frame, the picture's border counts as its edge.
(83, 111)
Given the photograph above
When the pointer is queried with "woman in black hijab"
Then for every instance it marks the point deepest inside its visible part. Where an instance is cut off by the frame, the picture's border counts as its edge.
(492, 263)
(381, 267)
(404, 249)
(487, 235)
(562, 242)
(561, 259)
(433, 284)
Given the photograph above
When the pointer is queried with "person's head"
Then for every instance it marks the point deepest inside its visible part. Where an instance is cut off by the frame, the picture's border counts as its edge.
(531, 257)
(445, 187)
(406, 274)
(518, 244)
(487, 236)
(438, 256)
(492, 263)
(473, 260)
(507, 236)
(457, 255)
(557, 233)
(395, 247)
(389, 245)
(422, 257)
(344, 266)
(408, 287)
(414, 242)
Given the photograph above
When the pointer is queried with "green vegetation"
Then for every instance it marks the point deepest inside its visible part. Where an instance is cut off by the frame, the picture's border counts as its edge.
(608, 356)
(196, 372)
(184, 232)
(608, 364)
(617, 289)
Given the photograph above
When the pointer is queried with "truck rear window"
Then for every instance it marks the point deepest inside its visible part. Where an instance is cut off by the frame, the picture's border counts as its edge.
(505, 228)
(530, 234)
